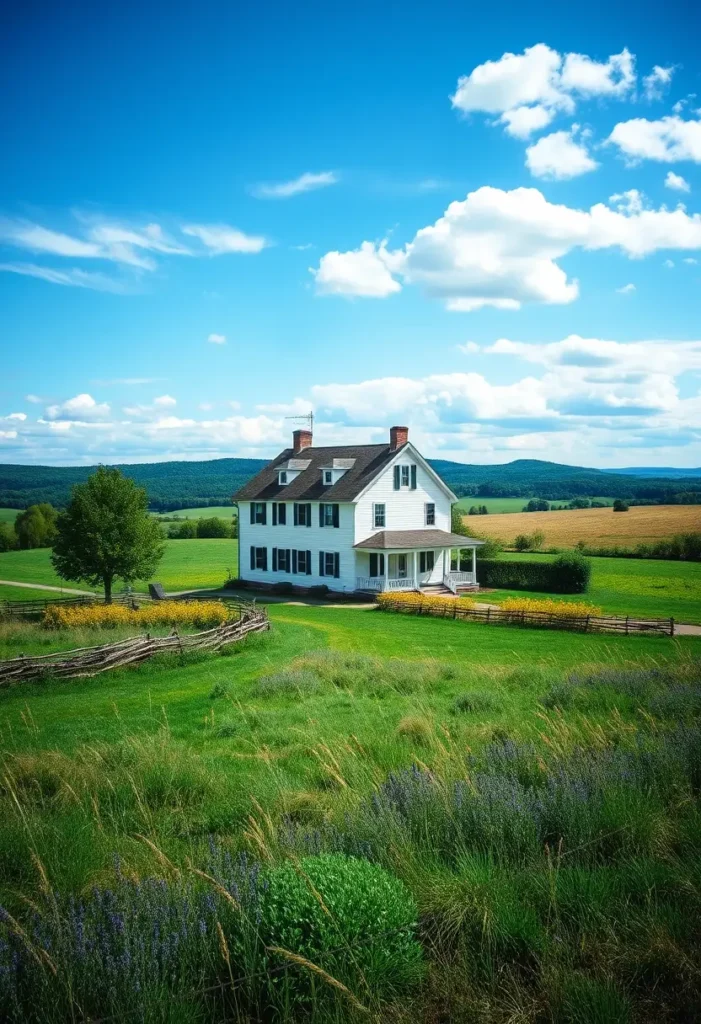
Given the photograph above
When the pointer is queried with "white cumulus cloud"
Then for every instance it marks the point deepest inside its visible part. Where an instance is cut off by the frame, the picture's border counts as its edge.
(676, 182)
(361, 272)
(627, 289)
(164, 400)
(655, 84)
(559, 156)
(667, 140)
(82, 407)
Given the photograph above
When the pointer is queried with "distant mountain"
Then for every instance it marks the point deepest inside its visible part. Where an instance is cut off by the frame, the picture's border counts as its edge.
(174, 485)
(656, 471)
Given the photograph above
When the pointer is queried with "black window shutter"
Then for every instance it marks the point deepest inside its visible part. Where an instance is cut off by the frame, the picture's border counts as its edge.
(253, 557)
(295, 510)
(309, 514)
(321, 513)
(309, 563)
(382, 565)
(274, 559)
(336, 565)
(265, 559)
(335, 515)
(373, 564)
(396, 478)
(294, 561)
(321, 563)
(265, 512)
(282, 516)
(253, 511)
(422, 561)
(413, 478)
(274, 513)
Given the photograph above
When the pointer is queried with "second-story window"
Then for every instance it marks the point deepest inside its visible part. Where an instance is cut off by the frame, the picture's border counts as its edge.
(378, 517)
(327, 476)
(405, 476)
(279, 513)
(258, 512)
(282, 477)
(430, 513)
(328, 514)
(303, 513)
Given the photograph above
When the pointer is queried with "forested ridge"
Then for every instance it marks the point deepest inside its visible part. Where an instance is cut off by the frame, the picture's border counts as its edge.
(174, 485)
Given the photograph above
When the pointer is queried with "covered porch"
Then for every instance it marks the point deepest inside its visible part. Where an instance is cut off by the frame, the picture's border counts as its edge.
(421, 560)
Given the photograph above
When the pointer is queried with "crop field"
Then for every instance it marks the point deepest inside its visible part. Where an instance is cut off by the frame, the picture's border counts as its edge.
(503, 505)
(220, 511)
(432, 803)
(595, 526)
(186, 565)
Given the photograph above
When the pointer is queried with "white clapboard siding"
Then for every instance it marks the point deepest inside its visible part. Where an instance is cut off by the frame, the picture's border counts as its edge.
(404, 509)
(312, 538)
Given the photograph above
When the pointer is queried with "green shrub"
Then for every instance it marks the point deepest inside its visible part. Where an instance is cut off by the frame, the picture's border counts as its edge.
(522, 542)
(363, 908)
(568, 574)
(320, 590)
(289, 681)
(213, 527)
(620, 506)
(282, 587)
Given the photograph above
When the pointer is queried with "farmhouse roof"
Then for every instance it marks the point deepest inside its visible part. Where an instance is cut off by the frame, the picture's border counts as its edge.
(365, 462)
(386, 540)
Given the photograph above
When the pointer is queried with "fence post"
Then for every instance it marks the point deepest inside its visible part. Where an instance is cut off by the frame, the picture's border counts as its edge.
(671, 627)
(627, 620)
(488, 612)
(586, 625)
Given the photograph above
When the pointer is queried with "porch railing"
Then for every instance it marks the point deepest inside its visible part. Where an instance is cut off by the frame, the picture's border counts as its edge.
(378, 584)
(404, 584)
(450, 584)
(462, 578)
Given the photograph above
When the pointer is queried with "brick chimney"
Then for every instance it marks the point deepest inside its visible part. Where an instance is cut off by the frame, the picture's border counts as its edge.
(398, 436)
(301, 439)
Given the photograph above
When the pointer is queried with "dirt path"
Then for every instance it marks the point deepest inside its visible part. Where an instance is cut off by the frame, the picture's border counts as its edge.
(45, 586)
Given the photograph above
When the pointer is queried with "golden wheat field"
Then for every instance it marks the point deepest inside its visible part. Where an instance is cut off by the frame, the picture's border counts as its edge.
(595, 526)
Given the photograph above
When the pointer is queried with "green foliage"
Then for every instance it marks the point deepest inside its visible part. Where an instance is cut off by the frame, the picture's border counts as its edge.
(537, 505)
(567, 574)
(331, 906)
(213, 527)
(186, 530)
(8, 537)
(36, 526)
(522, 542)
(456, 521)
(106, 533)
(620, 506)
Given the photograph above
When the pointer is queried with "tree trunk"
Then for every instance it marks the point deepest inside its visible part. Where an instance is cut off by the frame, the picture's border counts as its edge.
(108, 589)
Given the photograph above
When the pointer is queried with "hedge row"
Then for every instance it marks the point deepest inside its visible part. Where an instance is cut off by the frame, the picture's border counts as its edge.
(568, 574)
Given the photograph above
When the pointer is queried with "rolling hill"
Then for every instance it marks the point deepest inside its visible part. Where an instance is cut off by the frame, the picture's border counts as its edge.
(175, 485)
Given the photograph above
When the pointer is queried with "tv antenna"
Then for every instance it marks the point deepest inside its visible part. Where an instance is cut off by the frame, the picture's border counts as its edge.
(306, 419)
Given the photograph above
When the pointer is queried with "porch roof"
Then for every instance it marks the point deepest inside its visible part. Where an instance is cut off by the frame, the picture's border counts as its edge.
(407, 540)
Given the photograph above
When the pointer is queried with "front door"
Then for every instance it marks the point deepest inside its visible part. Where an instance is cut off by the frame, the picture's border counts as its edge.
(401, 567)
(426, 564)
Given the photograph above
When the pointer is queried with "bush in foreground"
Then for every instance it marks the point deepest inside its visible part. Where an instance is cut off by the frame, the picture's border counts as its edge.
(567, 574)
(411, 599)
(568, 609)
(203, 614)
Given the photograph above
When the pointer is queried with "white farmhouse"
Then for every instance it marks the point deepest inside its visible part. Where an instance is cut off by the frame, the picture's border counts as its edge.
(356, 518)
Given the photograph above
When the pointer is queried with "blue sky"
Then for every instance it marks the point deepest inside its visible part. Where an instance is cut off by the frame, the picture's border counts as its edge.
(486, 227)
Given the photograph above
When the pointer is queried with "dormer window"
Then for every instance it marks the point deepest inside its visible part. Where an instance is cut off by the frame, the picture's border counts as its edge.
(282, 477)
(327, 477)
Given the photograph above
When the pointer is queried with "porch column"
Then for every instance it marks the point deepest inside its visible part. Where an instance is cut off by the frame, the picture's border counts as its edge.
(416, 578)
(474, 565)
(386, 575)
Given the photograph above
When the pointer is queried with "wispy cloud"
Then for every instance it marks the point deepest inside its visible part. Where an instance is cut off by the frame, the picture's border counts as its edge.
(627, 289)
(73, 278)
(306, 182)
(221, 238)
(217, 339)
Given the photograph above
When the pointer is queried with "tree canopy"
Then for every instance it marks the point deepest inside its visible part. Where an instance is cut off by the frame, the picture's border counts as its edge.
(106, 533)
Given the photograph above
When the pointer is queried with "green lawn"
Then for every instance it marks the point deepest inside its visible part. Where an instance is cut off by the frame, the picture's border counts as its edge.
(635, 586)
(186, 564)
(8, 515)
(8, 593)
(220, 511)
(496, 505)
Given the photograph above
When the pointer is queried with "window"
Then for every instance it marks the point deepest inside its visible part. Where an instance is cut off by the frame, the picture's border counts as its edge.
(327, 476)
(281, 560)
(405, 476)
(329, 564)
(282, 477)
(430, 513)
(303, 513)
(378, 516)
(279, 513)
(259, 558)
(328, 514)
(426, 561)
(302, 562)
(377, 564)
(258, 509)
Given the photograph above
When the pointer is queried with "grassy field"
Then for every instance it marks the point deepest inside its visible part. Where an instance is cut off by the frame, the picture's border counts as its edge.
(186, 565)
(633, 586)
(8, 593)
(461, 775)
(596, 526)
(8, 515)
(504, 505)
(219, 511)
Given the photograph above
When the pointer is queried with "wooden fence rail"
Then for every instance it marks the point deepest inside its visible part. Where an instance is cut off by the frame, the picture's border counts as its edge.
(542, 620)
(91, 661)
